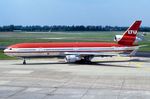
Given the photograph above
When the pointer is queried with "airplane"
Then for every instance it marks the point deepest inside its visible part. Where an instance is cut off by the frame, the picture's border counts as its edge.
(80, 51)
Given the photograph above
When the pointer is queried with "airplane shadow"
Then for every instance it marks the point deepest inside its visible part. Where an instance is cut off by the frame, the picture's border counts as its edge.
(98, 63)
(109, 63)
(43, 63)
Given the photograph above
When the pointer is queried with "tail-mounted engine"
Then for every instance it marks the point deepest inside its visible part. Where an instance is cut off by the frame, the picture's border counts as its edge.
(119, 37)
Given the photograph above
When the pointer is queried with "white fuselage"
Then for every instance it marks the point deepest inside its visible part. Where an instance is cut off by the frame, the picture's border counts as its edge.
(33, 52)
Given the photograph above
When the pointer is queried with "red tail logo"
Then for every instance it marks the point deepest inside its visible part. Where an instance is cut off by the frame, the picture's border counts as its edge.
(130, 35)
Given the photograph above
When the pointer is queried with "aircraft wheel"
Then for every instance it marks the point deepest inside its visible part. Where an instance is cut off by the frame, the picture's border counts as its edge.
(24, 62)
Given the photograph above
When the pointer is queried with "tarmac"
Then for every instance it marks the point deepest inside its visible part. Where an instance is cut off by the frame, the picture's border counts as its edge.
(106, 78)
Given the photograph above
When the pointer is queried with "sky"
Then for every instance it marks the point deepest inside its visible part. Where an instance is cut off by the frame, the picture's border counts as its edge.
(74, 12)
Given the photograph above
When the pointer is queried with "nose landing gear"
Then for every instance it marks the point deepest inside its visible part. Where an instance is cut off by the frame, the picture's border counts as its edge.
(24, 61)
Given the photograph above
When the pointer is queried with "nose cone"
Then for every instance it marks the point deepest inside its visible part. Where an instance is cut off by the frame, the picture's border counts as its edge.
(7, 52)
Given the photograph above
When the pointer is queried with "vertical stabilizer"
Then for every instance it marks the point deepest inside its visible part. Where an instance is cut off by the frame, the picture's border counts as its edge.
(129, 36)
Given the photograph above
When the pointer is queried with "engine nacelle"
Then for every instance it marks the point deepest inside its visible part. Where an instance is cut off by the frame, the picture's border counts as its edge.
(72, 58)
(118, 37)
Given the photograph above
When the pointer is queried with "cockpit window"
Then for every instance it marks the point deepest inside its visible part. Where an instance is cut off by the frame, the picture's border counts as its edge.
(9, 48)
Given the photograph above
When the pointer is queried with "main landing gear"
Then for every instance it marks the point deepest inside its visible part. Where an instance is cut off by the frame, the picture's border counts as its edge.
(85, 60)
(24, 61)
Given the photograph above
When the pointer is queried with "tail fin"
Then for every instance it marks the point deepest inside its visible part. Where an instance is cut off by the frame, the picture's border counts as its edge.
(129, 36)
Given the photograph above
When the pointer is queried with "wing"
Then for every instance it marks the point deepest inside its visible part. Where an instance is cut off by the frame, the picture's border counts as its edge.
(101, 54)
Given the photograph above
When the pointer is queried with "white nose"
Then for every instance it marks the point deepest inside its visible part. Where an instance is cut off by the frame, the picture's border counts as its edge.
(6, 52)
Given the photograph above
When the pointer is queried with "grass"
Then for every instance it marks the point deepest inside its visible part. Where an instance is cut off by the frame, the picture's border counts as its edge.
(146, 48)
(9, 38)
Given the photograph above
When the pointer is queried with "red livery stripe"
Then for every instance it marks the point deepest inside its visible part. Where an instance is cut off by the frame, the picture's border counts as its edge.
(64, 45)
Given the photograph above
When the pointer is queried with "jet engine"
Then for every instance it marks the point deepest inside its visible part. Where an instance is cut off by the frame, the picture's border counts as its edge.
(72, 58)
(118, 38)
